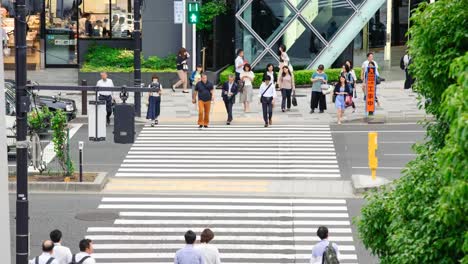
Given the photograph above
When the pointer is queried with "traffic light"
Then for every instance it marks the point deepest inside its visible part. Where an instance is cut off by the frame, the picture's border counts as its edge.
(193, 14)
(373, 161)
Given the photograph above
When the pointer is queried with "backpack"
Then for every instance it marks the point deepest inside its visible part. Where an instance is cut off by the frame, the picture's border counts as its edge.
(79, 262)
(36, 261)
(329, 255)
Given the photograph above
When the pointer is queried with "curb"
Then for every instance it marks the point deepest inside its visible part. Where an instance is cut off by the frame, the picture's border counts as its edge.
(364, 183)
(96, 186)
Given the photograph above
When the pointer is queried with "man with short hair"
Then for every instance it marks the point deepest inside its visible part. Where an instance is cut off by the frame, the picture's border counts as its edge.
(84, 257)
(239, 63)
(322, 247)
(188, 254)
(62, 254)
(229, 92)
(205, 91)
(46, 256)
(106, 96)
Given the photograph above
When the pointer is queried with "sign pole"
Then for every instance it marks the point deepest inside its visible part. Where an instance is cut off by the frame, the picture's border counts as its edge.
(184, 24)
(194, 46)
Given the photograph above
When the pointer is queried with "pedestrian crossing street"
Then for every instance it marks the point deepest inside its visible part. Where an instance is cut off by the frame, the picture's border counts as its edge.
(247, 151)
(256, 230)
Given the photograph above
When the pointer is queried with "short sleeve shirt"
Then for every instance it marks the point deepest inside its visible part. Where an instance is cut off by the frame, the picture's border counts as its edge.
(316, 86)
(204, 91)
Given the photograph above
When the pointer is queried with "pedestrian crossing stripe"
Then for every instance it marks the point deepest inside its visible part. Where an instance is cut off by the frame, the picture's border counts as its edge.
(287, 201)
(219, 230)
(161, 160)
(236, 215)
(189, 206)
(233, 155)
(225, 175)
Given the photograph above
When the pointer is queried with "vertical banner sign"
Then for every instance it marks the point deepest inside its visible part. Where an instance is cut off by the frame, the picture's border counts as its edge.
(178, 12)
(370, 98)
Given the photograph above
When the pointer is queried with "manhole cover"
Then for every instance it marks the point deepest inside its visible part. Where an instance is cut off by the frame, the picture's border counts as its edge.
(96, 216)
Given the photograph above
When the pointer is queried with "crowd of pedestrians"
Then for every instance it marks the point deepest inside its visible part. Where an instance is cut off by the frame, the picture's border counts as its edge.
(202, 252)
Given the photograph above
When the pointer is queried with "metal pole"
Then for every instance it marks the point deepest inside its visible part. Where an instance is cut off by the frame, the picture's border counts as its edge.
(84, 99)
(388, 44)
(4, 199)
(137, 54)
(194, 47)
(22, 107)
(80, 147)
(184, 25)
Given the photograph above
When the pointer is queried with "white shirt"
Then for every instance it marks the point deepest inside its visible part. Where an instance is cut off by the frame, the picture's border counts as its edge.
(406, 60)
(271, 92)
(43, 258)
(62, 254)
(272, 77)
(210, 253)
(81, 255)
(239, 64)
(107, 83)
(250, 74)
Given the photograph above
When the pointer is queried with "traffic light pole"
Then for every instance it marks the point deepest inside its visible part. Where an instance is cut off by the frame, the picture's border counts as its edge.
(137, 54)
(22, 107)
(194, 47)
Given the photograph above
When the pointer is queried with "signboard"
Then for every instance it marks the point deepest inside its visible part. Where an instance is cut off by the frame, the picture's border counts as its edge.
(178, 12)
(370, 98)
(193, 14)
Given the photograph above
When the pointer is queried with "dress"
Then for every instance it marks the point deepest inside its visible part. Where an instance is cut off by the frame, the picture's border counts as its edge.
(247, 92)
(154, 102)
(340, 100)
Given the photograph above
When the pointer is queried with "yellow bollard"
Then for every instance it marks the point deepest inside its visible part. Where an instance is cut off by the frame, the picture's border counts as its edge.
(373, 161)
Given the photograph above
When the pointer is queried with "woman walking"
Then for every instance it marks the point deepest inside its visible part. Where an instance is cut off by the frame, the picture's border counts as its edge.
(247, 76)
(154, 101)
(284, 58)
(346, 72)
(342, 90)
(267, 94)
(270, 71)
(287, 86)
(182, 68)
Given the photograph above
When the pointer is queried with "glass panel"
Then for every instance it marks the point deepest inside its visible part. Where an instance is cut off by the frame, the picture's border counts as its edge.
(301, 44)
(246, 41)
(298, 3)
(122, 19)
(94, 19)
(357, 3)
(60, 41)
(378, 28)
(269, 17)
(327, 16)
(268, 58)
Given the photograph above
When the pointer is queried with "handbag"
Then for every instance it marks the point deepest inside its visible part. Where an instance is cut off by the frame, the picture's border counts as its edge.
(329, 89)
(240, 86)
(261, 97)
(294, 100)
(185, 67)
(349, 100)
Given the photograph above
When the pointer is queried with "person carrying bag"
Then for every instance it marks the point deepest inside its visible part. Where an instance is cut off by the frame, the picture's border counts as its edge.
(267, 95)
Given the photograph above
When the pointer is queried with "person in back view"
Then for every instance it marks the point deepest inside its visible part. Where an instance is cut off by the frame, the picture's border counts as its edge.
(324, 252)
(188, 254)
(62, 254)
(209, 252)
(84, 257)
(46, 256)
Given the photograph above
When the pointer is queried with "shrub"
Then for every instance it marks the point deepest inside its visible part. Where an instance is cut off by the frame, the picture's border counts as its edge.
(302, 77)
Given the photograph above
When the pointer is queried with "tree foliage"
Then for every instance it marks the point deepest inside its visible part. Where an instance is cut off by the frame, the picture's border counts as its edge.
(423, 217)
(210, 9)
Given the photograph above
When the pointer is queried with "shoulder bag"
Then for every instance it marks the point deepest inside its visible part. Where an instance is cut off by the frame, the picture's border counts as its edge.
(261, 97)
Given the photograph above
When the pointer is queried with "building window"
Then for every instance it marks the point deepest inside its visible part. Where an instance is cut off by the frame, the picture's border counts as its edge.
(105, 19)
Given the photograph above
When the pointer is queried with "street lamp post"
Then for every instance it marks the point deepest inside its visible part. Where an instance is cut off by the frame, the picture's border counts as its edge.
(137, 54)
(22, 107)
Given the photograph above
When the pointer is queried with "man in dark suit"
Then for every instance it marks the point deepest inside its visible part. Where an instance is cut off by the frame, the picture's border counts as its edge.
(229, 92)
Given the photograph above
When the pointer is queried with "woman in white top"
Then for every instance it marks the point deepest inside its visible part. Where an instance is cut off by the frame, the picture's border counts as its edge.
(209, 252)
(284, 58)
(247, 76)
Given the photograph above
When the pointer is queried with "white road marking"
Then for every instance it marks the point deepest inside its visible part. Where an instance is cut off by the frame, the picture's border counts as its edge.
(286, 201)
(223, 215)
(156, 160)
(222, 207)
(270, 239)
(218, 230)
(210, 222)
(221, 175)
(194, 153)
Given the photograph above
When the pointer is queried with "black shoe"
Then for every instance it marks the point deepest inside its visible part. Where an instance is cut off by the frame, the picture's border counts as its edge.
(200, 126)
(228, 123)
(321, 112)
(152, 124)
(283, 110)
(156, 122)
(205, 126)
(311, 111)
(266, 125)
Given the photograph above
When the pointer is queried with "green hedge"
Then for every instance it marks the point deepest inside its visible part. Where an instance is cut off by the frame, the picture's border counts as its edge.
(104, 58)
(302, 77)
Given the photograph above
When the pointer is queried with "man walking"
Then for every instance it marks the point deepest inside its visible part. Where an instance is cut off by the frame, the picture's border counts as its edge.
(205, 92)
(229, 92)
(46, 256)
(84, 257)
(239, 63)
(106, 95)
(324, 251)
(62, 254)
(188, 254)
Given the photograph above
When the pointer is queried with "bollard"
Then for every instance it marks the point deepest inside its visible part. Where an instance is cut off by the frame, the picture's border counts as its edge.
(373, 161)
(80, 147)
(84, 99)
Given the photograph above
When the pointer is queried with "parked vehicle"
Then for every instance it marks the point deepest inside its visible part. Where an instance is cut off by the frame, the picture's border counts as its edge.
(68, 106)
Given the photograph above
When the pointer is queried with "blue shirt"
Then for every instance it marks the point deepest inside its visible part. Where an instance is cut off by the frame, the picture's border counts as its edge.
(316, 86)
(188, 255)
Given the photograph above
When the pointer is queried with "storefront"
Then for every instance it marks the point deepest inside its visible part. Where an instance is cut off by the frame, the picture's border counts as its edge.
(56, 27)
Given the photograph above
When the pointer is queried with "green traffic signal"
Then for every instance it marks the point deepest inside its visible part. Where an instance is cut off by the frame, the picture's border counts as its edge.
(193, 13)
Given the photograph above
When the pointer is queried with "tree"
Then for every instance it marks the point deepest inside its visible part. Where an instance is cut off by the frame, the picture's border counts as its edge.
(423, 217)
(210, 9)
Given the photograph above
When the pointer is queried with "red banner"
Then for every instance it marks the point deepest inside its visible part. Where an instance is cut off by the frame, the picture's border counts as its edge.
(370, 102)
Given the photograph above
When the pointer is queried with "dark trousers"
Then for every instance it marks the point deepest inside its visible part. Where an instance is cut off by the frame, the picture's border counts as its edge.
(318, 99)
(286, 94)
(237, 76)
(229, 102)
(108, 99)
(267, 106)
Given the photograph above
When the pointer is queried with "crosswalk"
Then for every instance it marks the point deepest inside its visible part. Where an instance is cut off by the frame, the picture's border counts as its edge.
(245, 152)
(258, 230)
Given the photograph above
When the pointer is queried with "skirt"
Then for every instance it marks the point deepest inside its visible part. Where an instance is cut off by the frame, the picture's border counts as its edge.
(340, 102)
(154, 107)
(247, 94)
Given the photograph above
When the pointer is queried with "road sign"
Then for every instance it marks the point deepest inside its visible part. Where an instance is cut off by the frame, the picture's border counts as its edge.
(372, 147)
(178, 12)
(370, 99)
(193, 12)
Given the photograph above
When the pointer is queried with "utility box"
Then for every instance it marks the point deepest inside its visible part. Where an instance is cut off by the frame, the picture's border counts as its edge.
(124, 123)
(97, 120)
